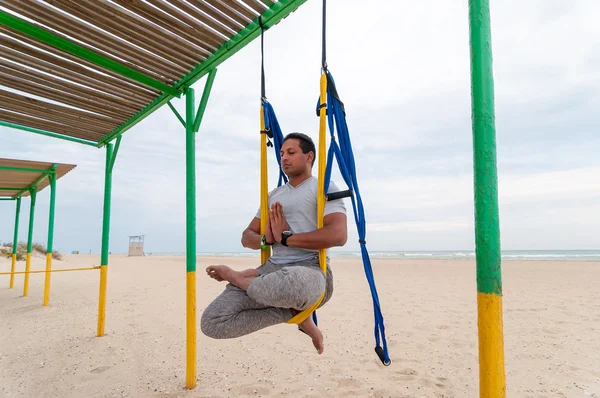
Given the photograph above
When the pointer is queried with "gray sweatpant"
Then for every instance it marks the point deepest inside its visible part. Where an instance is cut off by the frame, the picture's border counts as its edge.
(268, 300)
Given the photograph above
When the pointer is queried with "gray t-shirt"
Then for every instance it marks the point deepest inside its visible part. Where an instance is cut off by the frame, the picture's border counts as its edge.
(300, 209)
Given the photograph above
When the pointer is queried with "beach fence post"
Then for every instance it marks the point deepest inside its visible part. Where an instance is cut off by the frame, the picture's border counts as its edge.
(15, 244)
(52, 178)
(492, 381)
(190, 258)
(192, 125)
(111, 154)
(32, 194)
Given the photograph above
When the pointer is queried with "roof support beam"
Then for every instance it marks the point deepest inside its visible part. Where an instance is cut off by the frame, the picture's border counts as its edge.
(47, 133)
(113, 156)
(25, 169)
(176, 114)
(58, 42)
(205, 94)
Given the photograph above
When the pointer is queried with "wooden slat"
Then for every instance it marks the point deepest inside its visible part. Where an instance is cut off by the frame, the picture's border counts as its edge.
(34, 61)
(9, 194)
(256, 5)
(90, 37)
(62, 97)
(57, 83)
(149, 40)
(175, 12)
(152, 63)
(54, 117)
(168, 38)
(63, 88)
(220, 23)
(242, 10)
(175, 25)
(268, 3)
(9, 99)
(218, 15)
(114, 81)
(19, 180)
(227, 10)
(35, 123)
(14, 100)
(93, 39)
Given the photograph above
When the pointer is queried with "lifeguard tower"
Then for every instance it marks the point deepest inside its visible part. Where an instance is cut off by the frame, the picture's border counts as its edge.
(136, 245)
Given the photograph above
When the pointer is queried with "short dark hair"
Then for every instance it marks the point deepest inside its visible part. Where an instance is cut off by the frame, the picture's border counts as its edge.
(306, 143)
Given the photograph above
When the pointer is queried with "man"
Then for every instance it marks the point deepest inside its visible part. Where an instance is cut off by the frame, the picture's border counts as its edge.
(291, 280)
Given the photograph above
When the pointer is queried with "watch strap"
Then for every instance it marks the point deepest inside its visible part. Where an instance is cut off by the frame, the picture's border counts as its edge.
(284, 238)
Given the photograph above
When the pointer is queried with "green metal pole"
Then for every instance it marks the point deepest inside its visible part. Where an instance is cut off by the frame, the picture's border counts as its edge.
(49, 246)
(15, 244)
(204, 100)
(105, 240)
(33, 194)
(190, 205)
(26, 169)
(492, 381)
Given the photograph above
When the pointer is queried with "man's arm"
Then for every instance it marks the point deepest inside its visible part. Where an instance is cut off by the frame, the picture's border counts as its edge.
(333, 233)
(251, 235)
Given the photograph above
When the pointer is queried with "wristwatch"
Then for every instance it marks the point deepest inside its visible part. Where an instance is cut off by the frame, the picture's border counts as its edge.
(284, 237)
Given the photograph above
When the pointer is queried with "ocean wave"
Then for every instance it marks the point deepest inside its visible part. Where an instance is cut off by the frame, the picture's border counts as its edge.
(575, 255)
(508, 255)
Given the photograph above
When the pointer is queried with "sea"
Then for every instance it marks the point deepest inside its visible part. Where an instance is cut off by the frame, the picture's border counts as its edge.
(507, 255)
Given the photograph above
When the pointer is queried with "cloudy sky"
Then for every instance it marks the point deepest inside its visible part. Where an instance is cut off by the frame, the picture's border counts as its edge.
(402, 70)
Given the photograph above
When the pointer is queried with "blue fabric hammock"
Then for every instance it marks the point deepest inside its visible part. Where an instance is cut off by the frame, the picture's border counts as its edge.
(336, 118)
(343, 153)
(273, 131)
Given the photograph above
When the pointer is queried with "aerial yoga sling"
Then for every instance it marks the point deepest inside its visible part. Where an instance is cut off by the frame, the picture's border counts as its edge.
(331, 112)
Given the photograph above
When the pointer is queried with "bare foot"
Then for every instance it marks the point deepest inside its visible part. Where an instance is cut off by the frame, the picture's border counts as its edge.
(219, 272)
(309, 327)
(241, 279)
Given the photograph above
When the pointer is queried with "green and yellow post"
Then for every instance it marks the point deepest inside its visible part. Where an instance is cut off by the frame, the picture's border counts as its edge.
(111, 155)
(15, 243)
(192, 125)
(52, 177)
(190, 237)
(32, 194)
(487, 230)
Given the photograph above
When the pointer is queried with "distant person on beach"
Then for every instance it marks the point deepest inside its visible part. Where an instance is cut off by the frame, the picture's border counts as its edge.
(291, 279)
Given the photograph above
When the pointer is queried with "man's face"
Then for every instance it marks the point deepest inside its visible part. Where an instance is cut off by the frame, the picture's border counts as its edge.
(293, 161)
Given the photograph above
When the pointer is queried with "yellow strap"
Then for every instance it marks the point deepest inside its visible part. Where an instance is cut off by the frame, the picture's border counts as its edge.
(264, 186)
(301, 317)
(52, 270)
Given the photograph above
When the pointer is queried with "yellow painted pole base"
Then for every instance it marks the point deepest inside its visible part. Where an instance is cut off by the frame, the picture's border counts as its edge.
(12, 271)
(47, 280)
(102, 300)
(190, 375)
(27, 266)
(492, 381)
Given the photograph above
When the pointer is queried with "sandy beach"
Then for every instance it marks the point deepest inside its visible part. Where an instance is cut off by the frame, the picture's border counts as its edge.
(551, 327)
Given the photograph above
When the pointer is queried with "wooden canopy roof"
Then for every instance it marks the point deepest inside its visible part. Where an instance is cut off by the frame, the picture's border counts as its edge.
(23, 175)
(89, 70)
